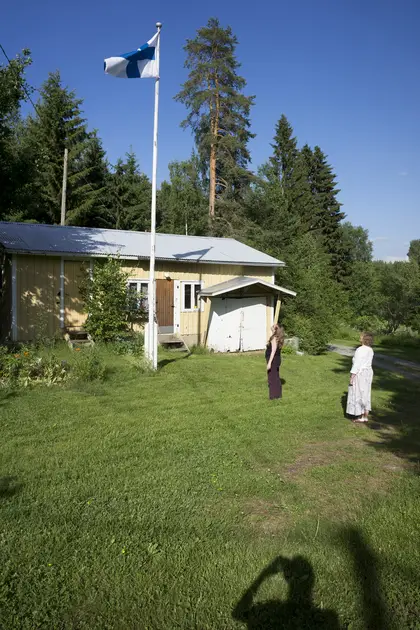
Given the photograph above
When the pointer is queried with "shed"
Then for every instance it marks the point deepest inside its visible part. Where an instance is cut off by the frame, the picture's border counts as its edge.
(237, 311)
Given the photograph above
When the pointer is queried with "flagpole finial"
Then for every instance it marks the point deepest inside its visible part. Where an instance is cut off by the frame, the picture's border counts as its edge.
(159, 25)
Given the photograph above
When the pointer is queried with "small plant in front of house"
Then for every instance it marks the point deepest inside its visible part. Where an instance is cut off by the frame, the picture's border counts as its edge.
(288, 350)
(112, 310)
(24, 367)
(131, 344)
(87, 366)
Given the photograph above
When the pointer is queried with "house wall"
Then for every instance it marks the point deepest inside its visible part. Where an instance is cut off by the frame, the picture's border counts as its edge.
(5, 297)
(38, 301)
(193, 325)
(38, 292)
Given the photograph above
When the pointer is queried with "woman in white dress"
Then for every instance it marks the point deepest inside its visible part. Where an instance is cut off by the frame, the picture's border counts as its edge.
(361, 375)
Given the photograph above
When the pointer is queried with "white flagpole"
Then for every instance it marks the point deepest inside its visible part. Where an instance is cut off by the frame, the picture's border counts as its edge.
(152, 346)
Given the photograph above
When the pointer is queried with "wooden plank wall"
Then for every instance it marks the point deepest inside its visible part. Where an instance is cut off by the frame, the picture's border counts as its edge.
(38, 286)
(38, 303)
(193, 323)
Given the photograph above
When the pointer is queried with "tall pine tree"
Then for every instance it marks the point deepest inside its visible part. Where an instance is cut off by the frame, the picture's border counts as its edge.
(218, 111)
(57, 124)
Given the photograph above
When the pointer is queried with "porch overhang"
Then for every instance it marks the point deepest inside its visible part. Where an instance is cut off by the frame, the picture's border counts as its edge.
(240, 283)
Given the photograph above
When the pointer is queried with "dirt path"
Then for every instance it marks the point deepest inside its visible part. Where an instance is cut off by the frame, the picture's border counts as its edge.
(409, 369)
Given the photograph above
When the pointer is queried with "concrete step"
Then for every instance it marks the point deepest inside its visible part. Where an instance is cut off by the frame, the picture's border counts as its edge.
(172, 342)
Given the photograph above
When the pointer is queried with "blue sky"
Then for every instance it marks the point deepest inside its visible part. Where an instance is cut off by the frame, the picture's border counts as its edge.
(345, 73)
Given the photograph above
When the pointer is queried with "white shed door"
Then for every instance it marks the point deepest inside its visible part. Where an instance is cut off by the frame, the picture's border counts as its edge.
(237, 324)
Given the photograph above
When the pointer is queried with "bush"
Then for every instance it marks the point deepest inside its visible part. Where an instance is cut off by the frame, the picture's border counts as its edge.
(406, 338)
(111, 309)
(24, 367)
(313, 335)
(370, 323)
(87, 366)
(288, 350)
(133, 345)
(320, 304)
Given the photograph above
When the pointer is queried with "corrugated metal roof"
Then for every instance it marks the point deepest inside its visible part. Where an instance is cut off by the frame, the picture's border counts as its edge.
(240, 283)
(38, 238)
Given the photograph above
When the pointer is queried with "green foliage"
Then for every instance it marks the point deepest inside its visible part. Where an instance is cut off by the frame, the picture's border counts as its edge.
(414, 251)
(56, 125)
(357, 243)
(110, 307)
(90, 191)
(87, 366)
(288, 350)
(131, 345)
(399, 293)
(182, 203)
(363, 289)
(218, 111)
(25, 367)
(328, 214)
(370, 323)
(13, 162)
(314, 314)
(129, 196)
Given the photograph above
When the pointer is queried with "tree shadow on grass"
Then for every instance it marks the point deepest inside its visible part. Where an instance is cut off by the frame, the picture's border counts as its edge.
(397, 424)
(9, 486)
(164, 362)
(297, 612)
(365, 567)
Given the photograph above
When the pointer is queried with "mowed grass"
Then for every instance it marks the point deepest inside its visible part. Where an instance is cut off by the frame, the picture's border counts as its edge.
(155, 501)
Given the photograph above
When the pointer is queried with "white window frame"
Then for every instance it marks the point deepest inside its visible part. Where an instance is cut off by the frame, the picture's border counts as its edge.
(201, 301)
(139, 282)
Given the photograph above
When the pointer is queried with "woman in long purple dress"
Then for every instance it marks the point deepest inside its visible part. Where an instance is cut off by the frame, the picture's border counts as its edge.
(273, 359)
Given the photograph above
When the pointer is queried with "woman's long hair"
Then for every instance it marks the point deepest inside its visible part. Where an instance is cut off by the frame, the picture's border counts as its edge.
(278, 335)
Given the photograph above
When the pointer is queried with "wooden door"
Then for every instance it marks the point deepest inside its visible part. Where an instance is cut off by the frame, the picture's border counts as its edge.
(75, 314)
(165, 302)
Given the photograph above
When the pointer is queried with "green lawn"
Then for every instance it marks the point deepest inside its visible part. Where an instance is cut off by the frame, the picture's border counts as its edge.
(154, 502)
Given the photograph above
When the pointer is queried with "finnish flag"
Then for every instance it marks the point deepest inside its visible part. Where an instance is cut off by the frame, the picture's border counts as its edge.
(142, 63)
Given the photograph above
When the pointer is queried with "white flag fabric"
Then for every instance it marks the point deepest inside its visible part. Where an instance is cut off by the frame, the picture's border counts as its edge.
(142, 63)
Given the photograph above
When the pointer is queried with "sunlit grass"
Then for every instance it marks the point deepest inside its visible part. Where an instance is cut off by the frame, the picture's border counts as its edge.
(155, 501)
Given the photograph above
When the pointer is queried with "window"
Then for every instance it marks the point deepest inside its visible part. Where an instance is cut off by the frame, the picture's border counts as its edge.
(140, 288)
(190, 298)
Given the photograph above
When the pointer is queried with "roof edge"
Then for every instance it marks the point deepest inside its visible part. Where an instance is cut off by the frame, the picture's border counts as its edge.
(27, 252)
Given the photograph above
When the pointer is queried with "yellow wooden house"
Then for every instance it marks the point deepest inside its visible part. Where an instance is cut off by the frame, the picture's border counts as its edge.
(216, 291)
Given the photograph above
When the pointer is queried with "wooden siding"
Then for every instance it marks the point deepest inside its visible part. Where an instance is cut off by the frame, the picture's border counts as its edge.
(38, 287)
(38, 301)
(5, 298)
(74, 314)
(193, 323)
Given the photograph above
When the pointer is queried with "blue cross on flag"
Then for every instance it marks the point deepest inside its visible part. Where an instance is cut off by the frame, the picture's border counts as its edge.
(142, 63)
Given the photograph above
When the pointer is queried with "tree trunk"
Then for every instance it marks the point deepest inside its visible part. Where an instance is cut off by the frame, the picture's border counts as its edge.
(212, 195)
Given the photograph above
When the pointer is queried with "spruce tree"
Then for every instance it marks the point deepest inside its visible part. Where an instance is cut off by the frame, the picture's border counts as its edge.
(90, 190)
(57, 124)
(129, 196)
(182, 201)
(218, 111)
(327, 216)
(13, 171)
(290, 170)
